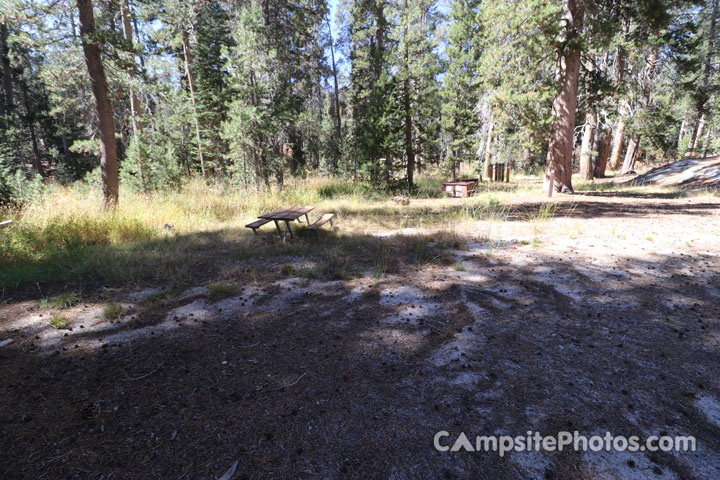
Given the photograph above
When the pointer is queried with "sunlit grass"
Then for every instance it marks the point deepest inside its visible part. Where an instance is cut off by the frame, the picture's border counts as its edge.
(113, 311)
(168, 236)
(64, 300)
(58, 321)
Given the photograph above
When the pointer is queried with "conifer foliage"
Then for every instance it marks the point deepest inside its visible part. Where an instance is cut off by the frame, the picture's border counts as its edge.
(147, 94)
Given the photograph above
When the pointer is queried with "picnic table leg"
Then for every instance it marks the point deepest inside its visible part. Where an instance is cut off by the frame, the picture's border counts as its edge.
(289, 230)
(277, 225)
(307, 219)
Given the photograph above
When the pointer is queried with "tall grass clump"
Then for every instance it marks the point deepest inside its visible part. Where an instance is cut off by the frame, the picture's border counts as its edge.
(64, 234)
(167, 236)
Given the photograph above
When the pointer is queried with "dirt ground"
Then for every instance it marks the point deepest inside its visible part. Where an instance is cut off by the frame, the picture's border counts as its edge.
(605, 317)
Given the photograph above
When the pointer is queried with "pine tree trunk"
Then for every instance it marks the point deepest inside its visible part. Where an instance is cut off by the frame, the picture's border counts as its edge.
(697, 129)
(66, 152)
(409, 151)
(586, 151)
(631, 155)
(280, 171)
(191, 86)
(560, 149)
(106, 123)
(7, 103)
(137, 37)
(603, 152)
(134, 102)
(128, 36)
(681, 134)
(335, 84)
(618, 136)
(315, 160)
(697, 132)
(380, 36)
(701, 128)
(73, 27)
(488, 158)
(647, 78)
(615, 149)
(30, 121)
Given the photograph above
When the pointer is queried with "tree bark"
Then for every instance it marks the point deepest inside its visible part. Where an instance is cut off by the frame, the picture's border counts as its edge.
(699, 127)
(487, 167)
(619, 135)
(646, 83)
(66, 152)
(7, 104)
(587, 170)
(134, 102)
(106, 123)
(409, 151)
(453, 168)
(587, 167)
(560, 148)
(137, 38)
(128, 36)
(30, 121)
(73, 27)
(380, 32)
(335, 82)
(624, 105)
(682, 133)
(603, 152)
(191, 85)
(631, 155)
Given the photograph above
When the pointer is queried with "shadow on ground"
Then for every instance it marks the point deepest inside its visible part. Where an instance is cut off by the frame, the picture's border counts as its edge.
(351, 378)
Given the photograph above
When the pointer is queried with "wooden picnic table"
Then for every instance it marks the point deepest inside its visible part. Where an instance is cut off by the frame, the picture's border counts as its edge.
(287, 215)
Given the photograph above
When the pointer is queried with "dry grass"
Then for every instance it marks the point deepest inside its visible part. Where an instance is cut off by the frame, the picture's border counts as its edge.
(167, 235)
(170, 236)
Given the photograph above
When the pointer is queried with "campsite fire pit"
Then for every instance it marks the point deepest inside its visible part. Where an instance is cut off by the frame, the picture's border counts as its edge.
(460, 188)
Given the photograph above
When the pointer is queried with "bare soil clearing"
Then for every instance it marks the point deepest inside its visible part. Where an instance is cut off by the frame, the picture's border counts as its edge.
(604, 317)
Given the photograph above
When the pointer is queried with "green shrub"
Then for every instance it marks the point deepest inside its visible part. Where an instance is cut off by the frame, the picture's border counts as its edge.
(17, 186)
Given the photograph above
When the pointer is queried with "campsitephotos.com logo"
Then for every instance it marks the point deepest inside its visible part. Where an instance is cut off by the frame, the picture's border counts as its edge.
(535, 441)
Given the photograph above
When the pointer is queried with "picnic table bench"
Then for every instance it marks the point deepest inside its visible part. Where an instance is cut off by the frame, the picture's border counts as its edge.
(328, 217)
